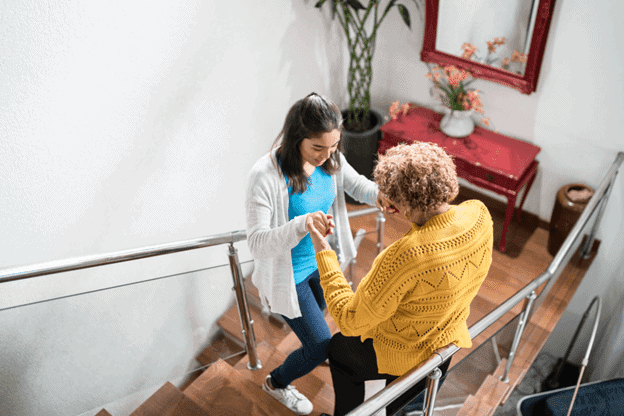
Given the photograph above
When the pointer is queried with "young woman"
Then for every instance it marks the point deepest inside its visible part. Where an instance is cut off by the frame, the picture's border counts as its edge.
(302, 180)
(416, 298)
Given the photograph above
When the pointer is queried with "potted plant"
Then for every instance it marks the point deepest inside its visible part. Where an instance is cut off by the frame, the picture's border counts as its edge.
(450, 86)
(360, 24)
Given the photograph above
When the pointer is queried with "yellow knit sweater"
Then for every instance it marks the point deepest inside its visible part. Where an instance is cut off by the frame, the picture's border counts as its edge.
(416, 297)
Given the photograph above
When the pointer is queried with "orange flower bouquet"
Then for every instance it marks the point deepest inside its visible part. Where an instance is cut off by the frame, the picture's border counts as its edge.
(450, 83)
(470, 52)
(396, 109)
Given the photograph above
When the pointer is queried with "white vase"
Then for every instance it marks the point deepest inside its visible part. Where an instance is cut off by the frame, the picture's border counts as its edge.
(457, 123)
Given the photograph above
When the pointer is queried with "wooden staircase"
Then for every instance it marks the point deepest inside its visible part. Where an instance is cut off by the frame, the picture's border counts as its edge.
(228, 387)
(220, 390)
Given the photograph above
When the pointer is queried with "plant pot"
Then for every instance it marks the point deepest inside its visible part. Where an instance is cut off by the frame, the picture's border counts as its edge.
(457, 123)
(569, 205)
(360, 149)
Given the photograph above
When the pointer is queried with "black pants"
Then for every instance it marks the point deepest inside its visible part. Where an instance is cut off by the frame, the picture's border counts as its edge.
(352, 362)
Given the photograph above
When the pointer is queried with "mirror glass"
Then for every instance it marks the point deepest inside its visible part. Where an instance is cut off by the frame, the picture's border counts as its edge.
(491, 32)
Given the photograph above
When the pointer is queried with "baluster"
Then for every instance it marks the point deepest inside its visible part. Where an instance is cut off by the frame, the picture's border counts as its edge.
(243, 310)
(524, 317)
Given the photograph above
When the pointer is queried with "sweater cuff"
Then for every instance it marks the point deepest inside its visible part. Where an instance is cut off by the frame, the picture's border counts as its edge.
(301, 226)
(327, 262)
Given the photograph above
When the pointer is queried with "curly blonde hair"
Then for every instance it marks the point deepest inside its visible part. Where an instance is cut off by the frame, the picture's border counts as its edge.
(420, 176)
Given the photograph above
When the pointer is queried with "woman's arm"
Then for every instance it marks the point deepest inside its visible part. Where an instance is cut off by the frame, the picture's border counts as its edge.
(354, 313)
(262, 203)
(358, 186)
(361, 188)
(262, 209)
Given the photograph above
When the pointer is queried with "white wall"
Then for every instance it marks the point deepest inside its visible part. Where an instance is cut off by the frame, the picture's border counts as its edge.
(131, 123)
(125, 124)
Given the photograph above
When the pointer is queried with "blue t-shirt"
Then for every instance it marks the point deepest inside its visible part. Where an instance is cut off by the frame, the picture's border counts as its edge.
(318, 197)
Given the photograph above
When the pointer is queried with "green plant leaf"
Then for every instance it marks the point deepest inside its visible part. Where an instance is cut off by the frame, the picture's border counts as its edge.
(356, 5)
(389, 6)
(319, 4)
(416, 3)
(405, 15)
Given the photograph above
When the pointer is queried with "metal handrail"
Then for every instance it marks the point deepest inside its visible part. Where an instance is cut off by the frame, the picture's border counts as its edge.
(84, 262)
(408, 380)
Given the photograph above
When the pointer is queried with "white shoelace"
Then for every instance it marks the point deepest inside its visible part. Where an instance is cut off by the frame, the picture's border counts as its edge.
(295, 392)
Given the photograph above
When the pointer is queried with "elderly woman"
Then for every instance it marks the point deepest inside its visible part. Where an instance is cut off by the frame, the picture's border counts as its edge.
(416, 298)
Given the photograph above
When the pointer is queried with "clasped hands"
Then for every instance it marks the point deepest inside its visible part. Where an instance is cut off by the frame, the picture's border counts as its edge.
(319, 225)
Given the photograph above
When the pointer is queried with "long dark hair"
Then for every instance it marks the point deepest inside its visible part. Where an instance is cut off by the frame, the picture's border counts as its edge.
(308, 118)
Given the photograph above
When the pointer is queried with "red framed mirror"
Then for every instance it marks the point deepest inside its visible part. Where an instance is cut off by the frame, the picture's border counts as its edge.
(455, 28)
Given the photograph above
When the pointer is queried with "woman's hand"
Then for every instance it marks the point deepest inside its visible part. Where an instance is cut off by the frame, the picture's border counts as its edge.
(319, 226)
(321, 222)
(385, 204)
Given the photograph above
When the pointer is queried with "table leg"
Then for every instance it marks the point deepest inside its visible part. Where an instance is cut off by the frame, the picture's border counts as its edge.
(526, 191)
(511, 204)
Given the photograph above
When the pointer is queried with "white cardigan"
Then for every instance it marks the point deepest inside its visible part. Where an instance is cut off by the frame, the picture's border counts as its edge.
(271, 236)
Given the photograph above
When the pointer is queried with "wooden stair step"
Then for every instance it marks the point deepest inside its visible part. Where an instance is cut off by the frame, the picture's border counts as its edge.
(222, 390)
(473, 407)
(492, 390)
(268, 330)
(223, 346)
(316, 385)
(103, 412)
(486, 399)
(164, 400)
(488, 396)
(187, 407)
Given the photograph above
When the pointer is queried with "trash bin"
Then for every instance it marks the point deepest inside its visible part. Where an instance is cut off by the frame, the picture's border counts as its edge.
(569, 204)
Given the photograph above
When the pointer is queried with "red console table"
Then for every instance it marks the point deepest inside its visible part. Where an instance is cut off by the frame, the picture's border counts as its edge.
(490, 160)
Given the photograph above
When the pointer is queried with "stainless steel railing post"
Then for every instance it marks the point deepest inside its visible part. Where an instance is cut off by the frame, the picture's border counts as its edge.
(524, 317)
(585, 251)
(243, 310)
(433, 381)
(381, 229)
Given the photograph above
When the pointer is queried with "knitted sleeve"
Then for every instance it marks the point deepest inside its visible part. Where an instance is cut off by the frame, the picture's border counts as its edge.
(356, 313)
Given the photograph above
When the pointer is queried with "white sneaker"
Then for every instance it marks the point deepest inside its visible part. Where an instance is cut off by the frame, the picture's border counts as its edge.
(289, 397)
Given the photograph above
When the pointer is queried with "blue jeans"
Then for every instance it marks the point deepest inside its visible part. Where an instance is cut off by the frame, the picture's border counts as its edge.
(311, 329)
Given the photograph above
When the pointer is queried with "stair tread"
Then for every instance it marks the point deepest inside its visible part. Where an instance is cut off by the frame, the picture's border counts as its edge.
(491, 391)
(223, 390)
(316, 385)
(103, 412)
(473, 407)
(187, 407)
(223, 346)
(161, 402)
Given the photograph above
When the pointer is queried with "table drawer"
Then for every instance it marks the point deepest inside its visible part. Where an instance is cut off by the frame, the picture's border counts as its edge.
(469, 171)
